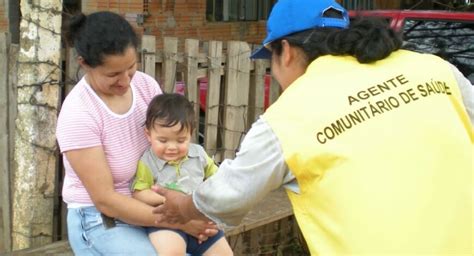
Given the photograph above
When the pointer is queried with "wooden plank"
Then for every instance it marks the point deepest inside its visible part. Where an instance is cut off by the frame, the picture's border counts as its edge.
(236, 95)
(191, 50)
(5, 230)
(259, 235)
(275, 91)
(275, 206)
(63, 215)
(180, 58)
(74, 73)
(201, 72)
(73, 70)
(60, 248)
(170, 53)
(149, 55)
(12, 113)
(12, 83)
(213, 97)
(257, 90)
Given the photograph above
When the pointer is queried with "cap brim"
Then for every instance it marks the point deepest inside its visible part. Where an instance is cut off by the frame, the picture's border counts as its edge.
(261, 53)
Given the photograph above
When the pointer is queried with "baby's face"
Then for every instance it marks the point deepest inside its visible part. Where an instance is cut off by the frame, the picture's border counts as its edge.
(169, 143)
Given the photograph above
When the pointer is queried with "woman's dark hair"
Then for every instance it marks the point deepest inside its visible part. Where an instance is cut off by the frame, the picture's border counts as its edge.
(367, 39)
(99, 34)
(170, 109)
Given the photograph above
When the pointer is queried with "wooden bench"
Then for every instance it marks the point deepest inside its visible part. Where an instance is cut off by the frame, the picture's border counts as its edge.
(267, 229)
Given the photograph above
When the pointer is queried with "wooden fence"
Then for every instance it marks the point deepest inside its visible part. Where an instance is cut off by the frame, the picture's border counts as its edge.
(234, 88)
(234, 85)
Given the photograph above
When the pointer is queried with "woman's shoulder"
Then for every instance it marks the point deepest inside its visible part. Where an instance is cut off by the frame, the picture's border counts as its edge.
(145, 84)
(80, 104)
(77, 98)
(79, 119)
(144, 80)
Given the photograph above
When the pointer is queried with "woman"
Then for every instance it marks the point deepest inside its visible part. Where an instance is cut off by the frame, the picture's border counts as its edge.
(373, 143)
(100, 133)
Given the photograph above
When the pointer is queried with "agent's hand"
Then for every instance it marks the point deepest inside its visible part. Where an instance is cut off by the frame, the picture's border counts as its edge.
(170, 210)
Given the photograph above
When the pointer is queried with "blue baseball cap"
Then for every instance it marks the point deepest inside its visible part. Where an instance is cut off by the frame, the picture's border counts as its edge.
(290, 16)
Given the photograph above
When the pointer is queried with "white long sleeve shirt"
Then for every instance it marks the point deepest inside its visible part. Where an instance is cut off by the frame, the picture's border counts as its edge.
(259, 167)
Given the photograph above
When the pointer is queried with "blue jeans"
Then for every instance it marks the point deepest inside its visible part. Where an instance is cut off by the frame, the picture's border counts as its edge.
(88, 236)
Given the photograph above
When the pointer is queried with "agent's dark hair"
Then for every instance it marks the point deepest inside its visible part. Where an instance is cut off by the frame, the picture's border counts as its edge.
(170, 109)
(100, 34)
(367, 39)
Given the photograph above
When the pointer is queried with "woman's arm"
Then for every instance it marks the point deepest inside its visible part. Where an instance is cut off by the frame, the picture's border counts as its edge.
(92, 169)
(99, 185)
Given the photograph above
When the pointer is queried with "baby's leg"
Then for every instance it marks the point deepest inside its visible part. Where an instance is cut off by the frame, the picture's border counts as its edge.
(168, 242)
(220, 247)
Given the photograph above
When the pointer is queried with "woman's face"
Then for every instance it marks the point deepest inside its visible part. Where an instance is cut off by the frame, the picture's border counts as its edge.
(113, 77)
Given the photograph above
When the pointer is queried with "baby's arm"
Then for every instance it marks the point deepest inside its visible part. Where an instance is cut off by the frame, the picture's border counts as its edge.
(148, 196)
(141, 186)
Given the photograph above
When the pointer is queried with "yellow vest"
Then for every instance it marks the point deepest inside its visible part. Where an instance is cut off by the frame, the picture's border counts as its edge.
(383, 156)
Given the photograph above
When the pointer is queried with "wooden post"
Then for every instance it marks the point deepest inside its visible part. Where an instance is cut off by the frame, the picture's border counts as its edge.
(275, 91)
(170, 52)
(12, 113)
(12, 94)
(257, 90)
(149, 55)
(213, 96)
(73, 70)
(74, 73)
(191, 50)
(236, 95)
(5, 242)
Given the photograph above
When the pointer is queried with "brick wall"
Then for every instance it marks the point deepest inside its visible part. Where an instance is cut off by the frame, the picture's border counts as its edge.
(187, 19)
(3, 16)
(179, 18)
(387, 4)
(379, 4)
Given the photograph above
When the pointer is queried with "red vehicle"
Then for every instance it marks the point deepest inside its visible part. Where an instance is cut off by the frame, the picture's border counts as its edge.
(203, 90)
(398, 18)
(443, 33)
